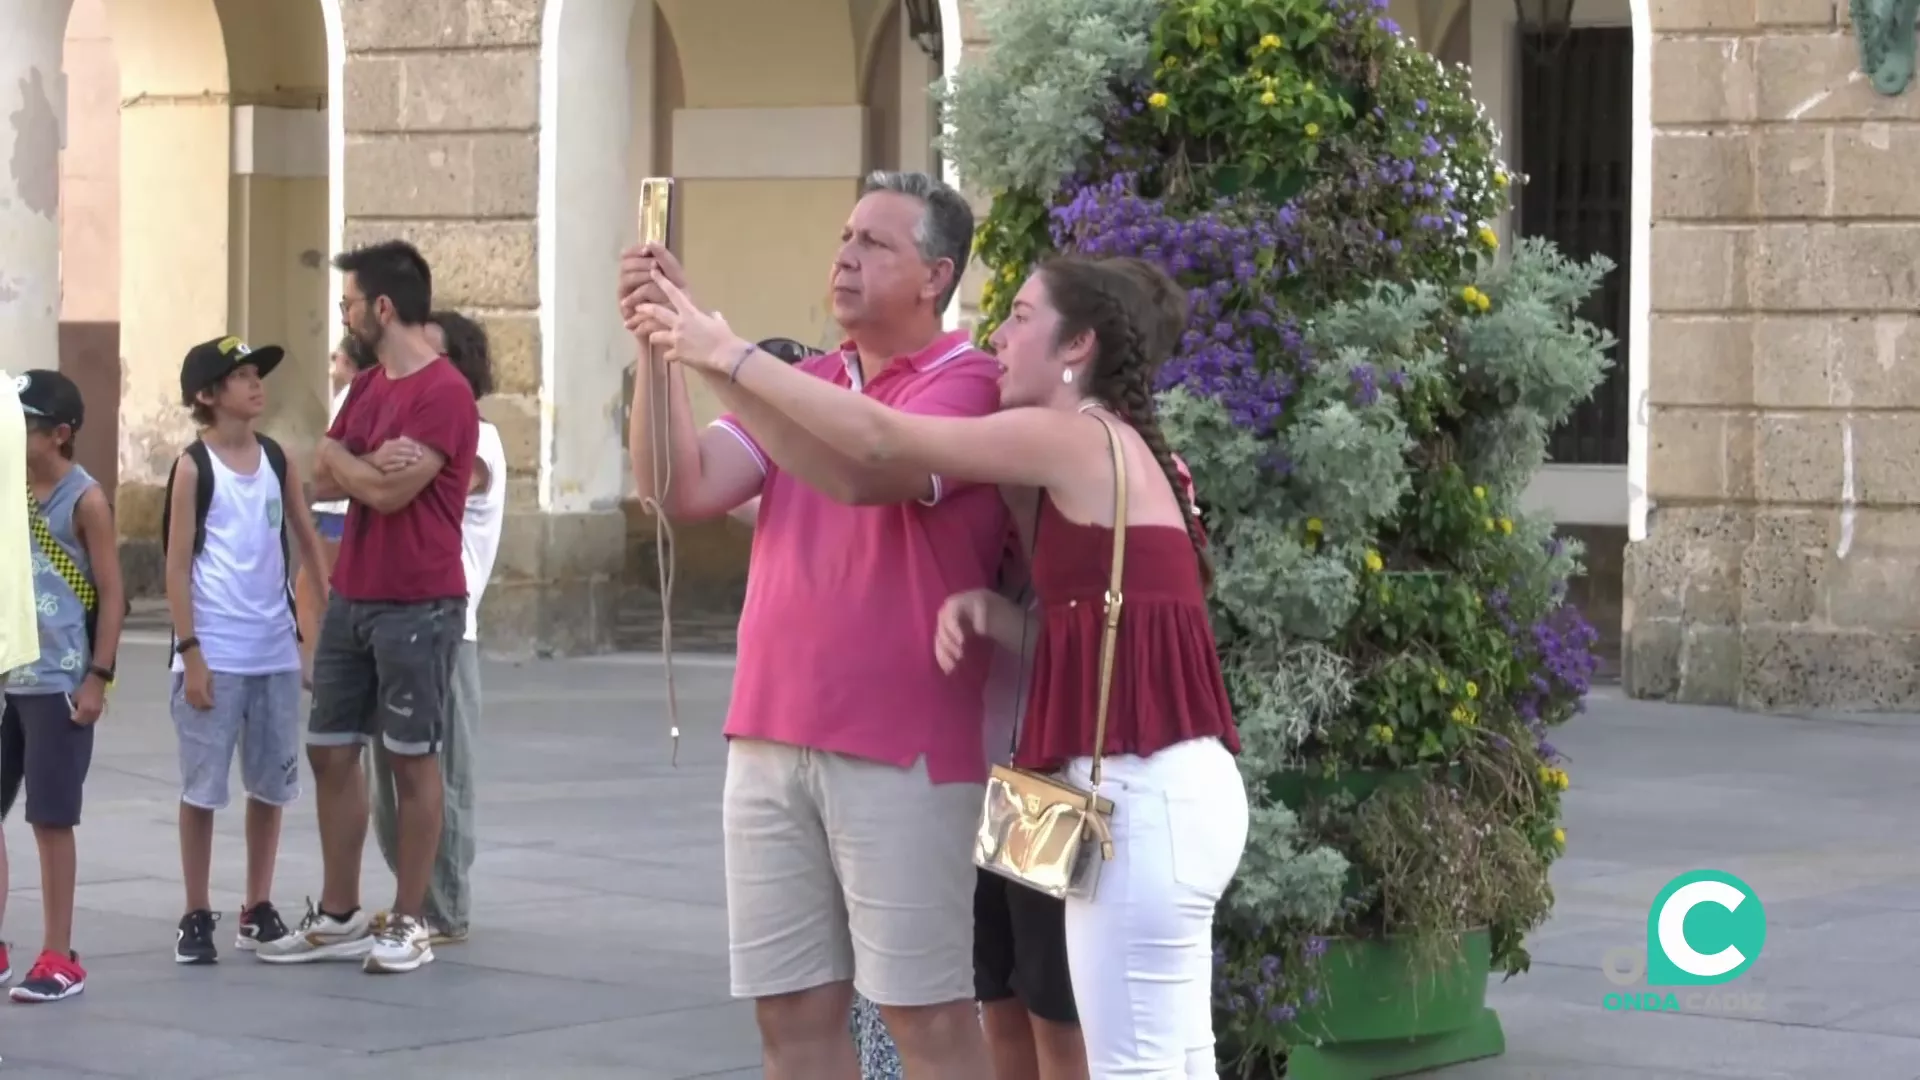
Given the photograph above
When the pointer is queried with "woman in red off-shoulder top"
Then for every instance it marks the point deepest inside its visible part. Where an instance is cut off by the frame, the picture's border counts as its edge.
(1079, 351)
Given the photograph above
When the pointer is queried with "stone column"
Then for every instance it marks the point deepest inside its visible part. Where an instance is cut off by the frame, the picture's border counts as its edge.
(1782, 563)
(442, 119)
(32, 119)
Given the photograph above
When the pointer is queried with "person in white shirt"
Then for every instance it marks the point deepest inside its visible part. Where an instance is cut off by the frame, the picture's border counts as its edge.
(448, 895)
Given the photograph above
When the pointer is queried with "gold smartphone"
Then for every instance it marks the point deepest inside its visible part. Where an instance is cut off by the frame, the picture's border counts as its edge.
(656, 227)
(656, 210)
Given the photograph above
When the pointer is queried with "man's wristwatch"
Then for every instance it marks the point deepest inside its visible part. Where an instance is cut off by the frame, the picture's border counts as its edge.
(105, 674)
(186, 645)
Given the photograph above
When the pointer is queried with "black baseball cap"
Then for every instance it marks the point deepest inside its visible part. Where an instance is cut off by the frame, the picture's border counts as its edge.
(51, 398)
(210, 361)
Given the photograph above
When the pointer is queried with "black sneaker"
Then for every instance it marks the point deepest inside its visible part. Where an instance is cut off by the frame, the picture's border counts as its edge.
(259, 925)
(194, 941)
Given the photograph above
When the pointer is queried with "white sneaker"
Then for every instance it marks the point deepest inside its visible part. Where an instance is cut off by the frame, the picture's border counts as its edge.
(321, 937)
(403, 943)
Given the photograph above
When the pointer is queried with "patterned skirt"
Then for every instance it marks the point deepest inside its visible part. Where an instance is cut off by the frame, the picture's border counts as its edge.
(878, 1058)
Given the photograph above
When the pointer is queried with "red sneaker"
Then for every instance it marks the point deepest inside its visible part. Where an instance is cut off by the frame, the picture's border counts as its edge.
(53, 977)
(6, 966)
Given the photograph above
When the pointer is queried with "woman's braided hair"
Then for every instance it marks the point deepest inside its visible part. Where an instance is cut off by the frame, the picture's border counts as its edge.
(1136, 314)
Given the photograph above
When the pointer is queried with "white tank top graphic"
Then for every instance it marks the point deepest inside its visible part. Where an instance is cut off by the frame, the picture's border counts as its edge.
(240, 611)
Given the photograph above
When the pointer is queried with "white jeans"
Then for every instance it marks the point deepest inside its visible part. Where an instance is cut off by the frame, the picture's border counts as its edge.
(1142, 949)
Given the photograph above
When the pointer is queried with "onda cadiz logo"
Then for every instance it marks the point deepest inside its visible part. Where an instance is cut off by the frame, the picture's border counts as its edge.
(1705, 928)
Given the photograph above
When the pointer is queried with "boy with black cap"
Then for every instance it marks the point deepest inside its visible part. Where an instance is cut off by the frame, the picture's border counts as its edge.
(46, 734)
(237, 671)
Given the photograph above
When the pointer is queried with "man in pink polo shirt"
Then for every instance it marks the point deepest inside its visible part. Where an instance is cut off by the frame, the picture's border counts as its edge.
(855, 767)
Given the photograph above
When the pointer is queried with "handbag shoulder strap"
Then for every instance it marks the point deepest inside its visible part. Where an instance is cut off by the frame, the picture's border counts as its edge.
(1110, 633)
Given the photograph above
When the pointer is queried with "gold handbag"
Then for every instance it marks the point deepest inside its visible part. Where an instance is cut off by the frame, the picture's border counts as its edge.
(1035, 828)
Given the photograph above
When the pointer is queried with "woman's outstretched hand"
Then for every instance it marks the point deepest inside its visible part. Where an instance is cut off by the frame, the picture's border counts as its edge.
(964, 615)
(689, 336)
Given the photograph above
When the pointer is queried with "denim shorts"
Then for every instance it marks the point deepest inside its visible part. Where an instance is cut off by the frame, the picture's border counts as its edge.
(330, 525)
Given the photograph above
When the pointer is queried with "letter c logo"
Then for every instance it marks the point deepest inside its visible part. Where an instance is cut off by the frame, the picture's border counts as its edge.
(1727, 936)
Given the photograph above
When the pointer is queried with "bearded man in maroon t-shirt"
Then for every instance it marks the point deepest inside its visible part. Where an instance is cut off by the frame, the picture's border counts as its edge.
(401, 450)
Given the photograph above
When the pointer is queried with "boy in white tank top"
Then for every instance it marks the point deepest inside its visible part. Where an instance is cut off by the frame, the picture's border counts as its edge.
(234, 508)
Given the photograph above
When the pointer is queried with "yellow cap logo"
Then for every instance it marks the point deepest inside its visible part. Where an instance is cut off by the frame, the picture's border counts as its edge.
(229, 346)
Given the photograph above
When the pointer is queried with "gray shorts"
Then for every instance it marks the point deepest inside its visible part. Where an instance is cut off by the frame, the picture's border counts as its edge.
(259, 715)
(385, 669)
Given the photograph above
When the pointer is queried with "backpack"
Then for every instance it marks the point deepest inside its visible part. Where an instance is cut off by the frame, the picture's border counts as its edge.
(203, 502)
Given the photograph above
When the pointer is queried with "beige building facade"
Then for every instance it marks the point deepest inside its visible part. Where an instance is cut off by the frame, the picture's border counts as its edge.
(178, 169)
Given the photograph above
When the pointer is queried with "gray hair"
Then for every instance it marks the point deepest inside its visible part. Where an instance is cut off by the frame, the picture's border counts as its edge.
(946, 227)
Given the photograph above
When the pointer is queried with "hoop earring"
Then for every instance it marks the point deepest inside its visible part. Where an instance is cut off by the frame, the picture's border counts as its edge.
(1066, 376)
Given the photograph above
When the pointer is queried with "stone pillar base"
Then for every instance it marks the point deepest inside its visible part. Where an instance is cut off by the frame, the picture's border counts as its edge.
(136, 514)
(1767, 608)
(555, 584)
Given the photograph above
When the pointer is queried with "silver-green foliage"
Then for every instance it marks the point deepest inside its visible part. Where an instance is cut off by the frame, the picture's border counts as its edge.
(1025, 115)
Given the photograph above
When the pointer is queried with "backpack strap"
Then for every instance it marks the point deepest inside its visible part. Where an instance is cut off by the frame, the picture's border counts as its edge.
(277, 459)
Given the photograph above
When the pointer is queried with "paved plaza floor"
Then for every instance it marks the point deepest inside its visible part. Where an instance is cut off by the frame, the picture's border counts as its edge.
(599, 945)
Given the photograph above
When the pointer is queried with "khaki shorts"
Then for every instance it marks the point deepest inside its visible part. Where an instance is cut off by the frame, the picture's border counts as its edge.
(839, 868)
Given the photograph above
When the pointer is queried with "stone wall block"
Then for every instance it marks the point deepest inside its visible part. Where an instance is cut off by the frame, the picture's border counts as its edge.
(1681, 542)
(476, 264)
(1703, 175)
(1798, 458)
(1805, 667)
(461, 91)
(1698, 268)
(439, 24)
(1886, 460)
(1694, 15)
(1792, 172)
(1707, 80)
(1867, 362)
(971, 31)
(514, 343)
(1706, 360)
(1798, 13)
(1699, 455)
(1874, 168)
(1792, 361)
(1813, 77)
(518, 419)
(460, 176)
(1831, 267)
(1783, 583)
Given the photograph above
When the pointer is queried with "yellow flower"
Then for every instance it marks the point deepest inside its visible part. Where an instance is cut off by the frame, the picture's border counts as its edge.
(1473, 689)
(1506, 526)
(1309, 88)
(1560, 779)
(1489, 237)
(1546, 774)
(1440, 683)
(1482, 301)
(1501, 179)
(986, 291)
(1269, 41)
(1480, 493)
(1382, 734)
(1490, 525)
(1269, 98)
(1314, 526)
(1470, 294)
(1313, 131)
(1461, 716)
(1374, 562)
(1560, 837)
(1157, 99)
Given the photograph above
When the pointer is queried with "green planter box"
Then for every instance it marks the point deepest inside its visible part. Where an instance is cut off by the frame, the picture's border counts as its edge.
(1376, 1019)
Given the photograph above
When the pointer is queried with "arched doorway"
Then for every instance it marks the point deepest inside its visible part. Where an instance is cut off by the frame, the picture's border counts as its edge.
(195, 202)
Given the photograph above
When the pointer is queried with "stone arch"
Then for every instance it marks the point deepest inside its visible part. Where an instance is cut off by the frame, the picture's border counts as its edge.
(226, 215)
